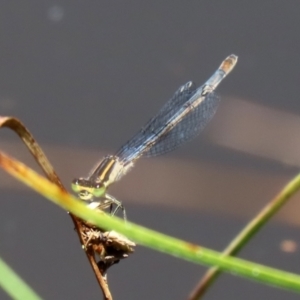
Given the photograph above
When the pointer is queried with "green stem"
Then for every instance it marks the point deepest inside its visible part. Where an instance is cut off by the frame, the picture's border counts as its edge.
(247, 233)
(14, 286)
(150, 238)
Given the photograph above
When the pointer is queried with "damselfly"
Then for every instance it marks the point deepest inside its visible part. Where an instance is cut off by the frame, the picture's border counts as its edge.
(179, 120)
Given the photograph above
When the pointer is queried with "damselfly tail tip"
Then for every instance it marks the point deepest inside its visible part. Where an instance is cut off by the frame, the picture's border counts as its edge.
(229, 63)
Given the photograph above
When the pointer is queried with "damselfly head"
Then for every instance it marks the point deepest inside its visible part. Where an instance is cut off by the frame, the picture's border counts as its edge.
(87, 190)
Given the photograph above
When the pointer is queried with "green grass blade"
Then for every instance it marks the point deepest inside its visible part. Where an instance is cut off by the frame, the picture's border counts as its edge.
(249, 231)
(14, 286)
(150, 238)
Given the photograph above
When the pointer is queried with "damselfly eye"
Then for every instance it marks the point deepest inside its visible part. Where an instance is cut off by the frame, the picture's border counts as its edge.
(76, 185)
(98, 190)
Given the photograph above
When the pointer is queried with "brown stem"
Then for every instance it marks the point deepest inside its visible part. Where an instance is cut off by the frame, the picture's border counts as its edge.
(40, 157)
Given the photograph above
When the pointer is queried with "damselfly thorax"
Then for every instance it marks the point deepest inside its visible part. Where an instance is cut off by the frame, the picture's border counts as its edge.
(110, 169)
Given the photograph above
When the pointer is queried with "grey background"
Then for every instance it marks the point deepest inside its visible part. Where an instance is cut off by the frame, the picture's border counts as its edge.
(87, 75)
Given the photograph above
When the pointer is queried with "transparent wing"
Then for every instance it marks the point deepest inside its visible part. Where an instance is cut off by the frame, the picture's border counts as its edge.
(188, 128)
(137, 145)
(148, 140)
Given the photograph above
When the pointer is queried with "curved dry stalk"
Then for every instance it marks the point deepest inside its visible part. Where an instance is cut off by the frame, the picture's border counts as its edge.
(16, 126)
